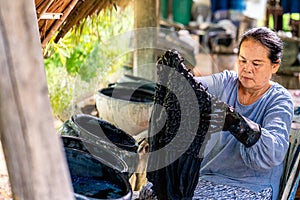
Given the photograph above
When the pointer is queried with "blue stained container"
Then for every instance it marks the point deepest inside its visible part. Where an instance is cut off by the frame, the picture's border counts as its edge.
(238, 5)
(290, 6)
(91, 179)
(218, 5)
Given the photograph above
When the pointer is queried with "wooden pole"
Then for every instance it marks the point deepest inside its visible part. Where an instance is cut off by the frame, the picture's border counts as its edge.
(146, 16)
(34, 155)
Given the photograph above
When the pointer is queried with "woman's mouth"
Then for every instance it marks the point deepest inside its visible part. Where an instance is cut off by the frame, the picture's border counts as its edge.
(247, 78)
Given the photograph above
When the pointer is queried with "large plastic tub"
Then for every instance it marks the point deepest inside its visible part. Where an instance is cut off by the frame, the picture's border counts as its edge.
(105, 135)
(93, 179)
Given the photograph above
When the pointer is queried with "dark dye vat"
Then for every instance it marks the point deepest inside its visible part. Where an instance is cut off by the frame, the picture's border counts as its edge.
(105, 135)
(105, 156)
(148, 88)
(127, 105)
(95, 180)
(128, 94)
(96, 188)
(101, 129)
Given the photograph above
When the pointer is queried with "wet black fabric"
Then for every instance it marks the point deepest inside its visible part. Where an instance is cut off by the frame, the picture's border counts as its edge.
(174, 146)
(178, 179)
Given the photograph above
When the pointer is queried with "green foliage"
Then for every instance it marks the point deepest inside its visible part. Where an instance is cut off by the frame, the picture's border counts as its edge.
(60, 86)
(286, 17)
(79, 60)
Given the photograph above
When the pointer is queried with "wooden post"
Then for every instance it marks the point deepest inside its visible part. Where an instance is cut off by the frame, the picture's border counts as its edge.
(34, 155)
(146, 15)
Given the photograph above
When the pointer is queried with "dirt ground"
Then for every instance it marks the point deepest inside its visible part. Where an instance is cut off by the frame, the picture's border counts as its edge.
(5, 190)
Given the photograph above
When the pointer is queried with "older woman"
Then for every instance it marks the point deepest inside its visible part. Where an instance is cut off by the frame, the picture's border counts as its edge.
(230, 168)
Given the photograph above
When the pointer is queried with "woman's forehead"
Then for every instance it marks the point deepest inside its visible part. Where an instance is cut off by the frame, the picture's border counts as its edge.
(253, 49)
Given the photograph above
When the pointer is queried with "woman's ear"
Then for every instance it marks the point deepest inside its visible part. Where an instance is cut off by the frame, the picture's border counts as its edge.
(275, 66)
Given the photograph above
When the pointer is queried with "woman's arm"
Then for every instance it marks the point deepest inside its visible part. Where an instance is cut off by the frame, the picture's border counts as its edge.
(273, 144)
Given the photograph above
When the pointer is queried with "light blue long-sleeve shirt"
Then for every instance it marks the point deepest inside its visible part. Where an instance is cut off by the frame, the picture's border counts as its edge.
(227, 160)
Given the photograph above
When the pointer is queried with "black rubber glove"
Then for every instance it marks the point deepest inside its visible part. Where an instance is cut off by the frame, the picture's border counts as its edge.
(224, 117)
(242, 128)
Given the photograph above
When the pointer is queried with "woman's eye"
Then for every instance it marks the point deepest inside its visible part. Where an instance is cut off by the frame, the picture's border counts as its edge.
(257, 64)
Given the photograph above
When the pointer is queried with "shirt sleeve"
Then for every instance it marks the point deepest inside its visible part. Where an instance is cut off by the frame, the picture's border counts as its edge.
(215, 83)
(273, 144)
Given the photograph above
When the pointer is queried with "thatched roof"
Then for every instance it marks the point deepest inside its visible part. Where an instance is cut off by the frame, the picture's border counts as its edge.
(62, 15)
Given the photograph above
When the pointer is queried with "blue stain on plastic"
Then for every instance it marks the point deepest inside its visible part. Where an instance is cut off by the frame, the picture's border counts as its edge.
(96, 188)
(92, 179)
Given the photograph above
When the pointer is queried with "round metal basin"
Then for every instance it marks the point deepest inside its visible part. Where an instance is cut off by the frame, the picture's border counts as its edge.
(126, 107)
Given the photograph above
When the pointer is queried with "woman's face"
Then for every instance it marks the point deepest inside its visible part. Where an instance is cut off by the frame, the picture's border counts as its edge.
(255, 69)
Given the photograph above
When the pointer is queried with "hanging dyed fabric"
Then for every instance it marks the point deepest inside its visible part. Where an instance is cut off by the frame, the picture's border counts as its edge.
(183, 113)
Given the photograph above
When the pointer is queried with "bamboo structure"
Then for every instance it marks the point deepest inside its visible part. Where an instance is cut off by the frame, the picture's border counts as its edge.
(71, 13)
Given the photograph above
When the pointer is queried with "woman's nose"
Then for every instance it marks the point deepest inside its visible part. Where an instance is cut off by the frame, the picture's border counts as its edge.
(248, 67)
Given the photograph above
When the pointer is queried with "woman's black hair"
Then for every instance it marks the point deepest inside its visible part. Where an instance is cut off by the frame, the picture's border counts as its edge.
(267, 38)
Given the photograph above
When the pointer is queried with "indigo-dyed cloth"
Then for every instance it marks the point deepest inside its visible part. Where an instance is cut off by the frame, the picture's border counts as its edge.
(226, 160)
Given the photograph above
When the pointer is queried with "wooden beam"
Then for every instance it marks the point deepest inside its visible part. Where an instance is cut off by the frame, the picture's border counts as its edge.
(33, 151)
(44, 9)
(59, 22)
(51, 16)
(146, 16)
